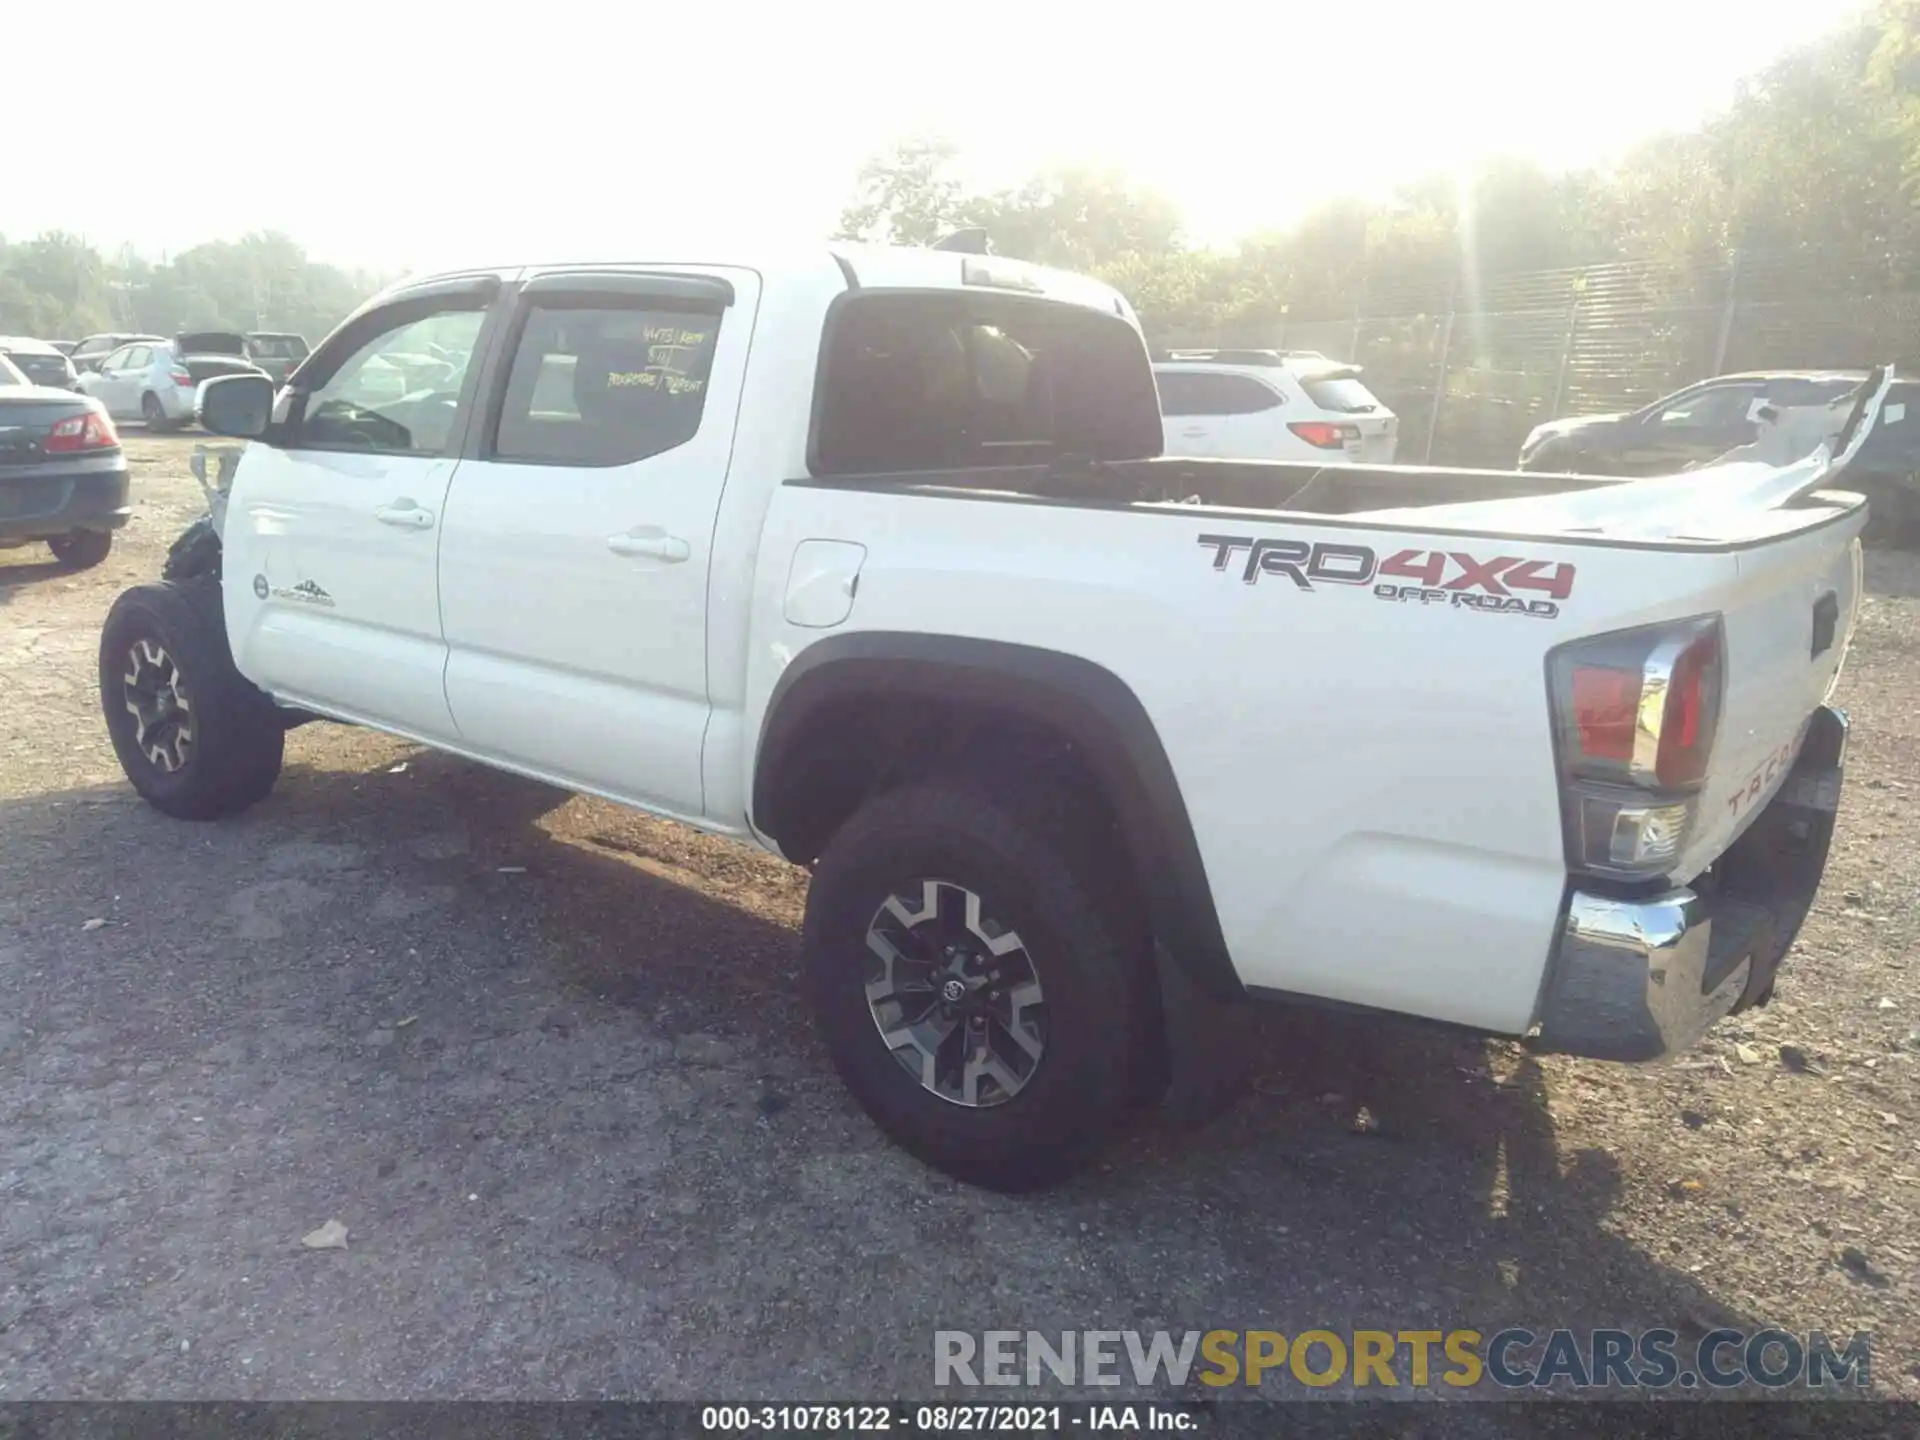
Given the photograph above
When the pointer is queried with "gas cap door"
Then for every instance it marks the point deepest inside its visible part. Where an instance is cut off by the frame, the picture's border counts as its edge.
(822, 582)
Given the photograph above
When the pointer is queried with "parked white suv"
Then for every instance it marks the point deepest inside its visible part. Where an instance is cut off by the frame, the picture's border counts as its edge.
(870, 557)
(1272, 405)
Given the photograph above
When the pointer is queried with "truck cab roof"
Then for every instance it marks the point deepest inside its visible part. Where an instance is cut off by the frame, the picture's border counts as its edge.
(833, 268)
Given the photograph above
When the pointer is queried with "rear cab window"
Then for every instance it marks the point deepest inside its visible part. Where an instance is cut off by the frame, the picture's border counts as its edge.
(943, 380)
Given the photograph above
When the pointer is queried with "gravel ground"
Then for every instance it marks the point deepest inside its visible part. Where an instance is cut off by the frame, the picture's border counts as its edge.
(547, 1063)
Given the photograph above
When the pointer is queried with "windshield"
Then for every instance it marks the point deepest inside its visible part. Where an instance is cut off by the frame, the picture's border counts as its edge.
(277, 347)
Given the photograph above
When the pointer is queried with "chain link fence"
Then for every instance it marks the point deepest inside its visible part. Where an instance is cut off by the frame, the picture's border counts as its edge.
(1471, 366)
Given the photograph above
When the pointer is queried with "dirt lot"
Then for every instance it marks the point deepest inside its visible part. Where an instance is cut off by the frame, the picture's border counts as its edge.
(575, 1123)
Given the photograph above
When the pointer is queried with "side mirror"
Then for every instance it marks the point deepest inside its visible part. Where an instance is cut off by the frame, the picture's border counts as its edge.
(237, 406)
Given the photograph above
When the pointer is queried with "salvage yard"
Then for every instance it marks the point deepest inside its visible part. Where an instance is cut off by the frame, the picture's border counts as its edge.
(548, 1064)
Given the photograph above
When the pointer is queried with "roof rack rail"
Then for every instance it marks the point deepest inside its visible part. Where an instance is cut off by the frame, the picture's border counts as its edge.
(1239, 357)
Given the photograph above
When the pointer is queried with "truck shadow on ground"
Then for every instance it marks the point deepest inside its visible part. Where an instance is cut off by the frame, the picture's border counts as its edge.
(439, 982)
(15, 576)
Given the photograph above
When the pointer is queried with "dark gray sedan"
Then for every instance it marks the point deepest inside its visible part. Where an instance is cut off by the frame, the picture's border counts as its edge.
(63, 476)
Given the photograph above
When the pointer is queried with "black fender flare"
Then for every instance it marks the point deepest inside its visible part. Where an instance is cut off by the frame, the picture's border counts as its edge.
(1084, 701)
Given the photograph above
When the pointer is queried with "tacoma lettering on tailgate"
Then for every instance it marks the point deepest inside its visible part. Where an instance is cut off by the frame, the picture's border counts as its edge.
(1436, 577)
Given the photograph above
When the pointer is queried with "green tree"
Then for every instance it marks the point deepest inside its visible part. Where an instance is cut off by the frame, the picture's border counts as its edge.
(906, 196)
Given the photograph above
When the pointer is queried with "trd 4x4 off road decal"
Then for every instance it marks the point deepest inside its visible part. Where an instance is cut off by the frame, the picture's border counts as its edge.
(1426, 577)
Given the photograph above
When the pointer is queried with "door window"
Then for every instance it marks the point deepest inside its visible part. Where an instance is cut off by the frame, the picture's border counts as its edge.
(117, 360)
(607, 385)
(398, 392)
(1204, 394)
(138, 357)
(1722, 408)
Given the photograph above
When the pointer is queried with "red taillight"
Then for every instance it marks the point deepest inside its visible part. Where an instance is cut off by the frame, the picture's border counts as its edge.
(1322, 434)
(92, 431)
(1636, 711)
(1606, 707)
(1691, 713)
(182, 379)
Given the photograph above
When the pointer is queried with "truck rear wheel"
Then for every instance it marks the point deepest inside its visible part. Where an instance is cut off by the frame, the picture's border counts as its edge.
(195, 738)
(980, 987)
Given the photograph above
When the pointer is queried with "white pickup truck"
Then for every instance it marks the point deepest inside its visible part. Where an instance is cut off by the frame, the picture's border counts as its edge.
(871, 558)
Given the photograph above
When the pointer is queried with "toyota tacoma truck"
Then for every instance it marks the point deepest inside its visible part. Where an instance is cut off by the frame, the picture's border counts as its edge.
(871, 558)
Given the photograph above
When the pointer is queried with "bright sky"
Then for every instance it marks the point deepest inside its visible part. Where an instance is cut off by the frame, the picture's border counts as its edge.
(406, 133)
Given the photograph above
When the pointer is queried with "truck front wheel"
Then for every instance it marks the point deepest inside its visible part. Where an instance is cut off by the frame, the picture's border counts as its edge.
(195, 738)
(978, 982)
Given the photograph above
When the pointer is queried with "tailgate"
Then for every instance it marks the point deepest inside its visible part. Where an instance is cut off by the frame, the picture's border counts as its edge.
(1378, 438)
(1787, 619)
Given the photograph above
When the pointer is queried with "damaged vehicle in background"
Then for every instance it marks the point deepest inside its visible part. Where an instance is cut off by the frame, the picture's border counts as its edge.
(1703, 422)
(274, 354)
(278, 353)
(229, 352)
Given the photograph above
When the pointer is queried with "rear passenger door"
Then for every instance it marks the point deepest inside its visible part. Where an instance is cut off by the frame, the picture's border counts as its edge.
(574, 563)
(1214, 413)
(1255, 425)
(125, 375)
(1189, 412)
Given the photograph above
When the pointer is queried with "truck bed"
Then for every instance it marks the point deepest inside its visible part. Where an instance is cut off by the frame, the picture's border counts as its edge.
(1735, 501)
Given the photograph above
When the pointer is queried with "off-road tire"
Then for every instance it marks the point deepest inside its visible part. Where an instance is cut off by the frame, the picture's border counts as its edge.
(81, 549)
(1039, 871)
(237, 738)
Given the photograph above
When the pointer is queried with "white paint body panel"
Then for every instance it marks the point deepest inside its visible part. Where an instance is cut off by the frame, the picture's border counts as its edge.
(1372, 783)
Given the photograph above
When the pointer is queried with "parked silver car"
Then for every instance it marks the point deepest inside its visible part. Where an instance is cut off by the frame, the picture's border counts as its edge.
(154, 382)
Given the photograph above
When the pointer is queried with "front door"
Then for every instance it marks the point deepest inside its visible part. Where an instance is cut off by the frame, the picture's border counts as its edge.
(334, 521)
(579, 532)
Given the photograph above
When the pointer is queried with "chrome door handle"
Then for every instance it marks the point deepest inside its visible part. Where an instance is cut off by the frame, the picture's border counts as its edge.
(655, 546)
(405, 514)
(1196, 433)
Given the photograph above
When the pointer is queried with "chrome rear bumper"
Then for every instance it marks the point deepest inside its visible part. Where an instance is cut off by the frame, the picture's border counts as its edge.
(1641, 979)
